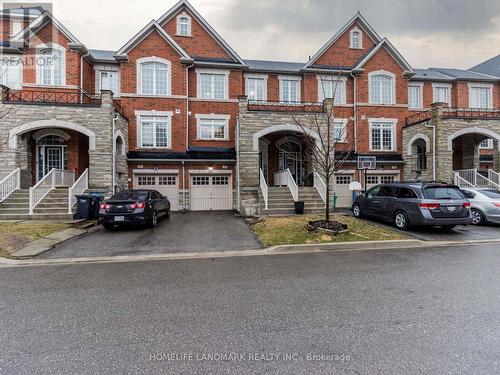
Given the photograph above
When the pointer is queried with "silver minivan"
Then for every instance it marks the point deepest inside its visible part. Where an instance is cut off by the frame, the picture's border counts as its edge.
(415, 204)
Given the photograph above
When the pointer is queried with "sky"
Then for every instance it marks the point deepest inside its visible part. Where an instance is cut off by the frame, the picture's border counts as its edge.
(428, 33)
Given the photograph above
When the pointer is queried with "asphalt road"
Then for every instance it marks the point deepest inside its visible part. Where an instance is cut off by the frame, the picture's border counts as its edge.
(427, 311)
(182, 232)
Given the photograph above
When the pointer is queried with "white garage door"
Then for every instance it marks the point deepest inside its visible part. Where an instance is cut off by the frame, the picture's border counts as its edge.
(167, 185)
(211, 193)
(372, 180)
(341, 189)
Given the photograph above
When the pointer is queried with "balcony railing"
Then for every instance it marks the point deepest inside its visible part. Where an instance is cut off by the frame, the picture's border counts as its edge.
(51, 97)
(273, 106)
(118, 108)
(457, 113)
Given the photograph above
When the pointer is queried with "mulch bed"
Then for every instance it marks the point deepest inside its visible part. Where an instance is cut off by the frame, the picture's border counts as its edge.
(332, 227)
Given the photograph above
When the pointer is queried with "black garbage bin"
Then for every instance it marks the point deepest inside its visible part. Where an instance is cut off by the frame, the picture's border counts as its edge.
(97, 198)
(84, 206)
(299, 208)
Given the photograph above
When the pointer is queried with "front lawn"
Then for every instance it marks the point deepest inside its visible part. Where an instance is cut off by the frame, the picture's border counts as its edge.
(14, 235)
(274, 231)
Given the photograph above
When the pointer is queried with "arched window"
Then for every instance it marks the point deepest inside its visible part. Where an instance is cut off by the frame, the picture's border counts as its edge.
(183, 25)
(51, 63)
(382, 87)
(421, 156)
(356, 39)
(155, 77)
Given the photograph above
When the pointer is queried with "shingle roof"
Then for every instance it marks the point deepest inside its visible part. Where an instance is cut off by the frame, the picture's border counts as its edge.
(274, 66)
(491, 67)
(450, 75)
(102, 55)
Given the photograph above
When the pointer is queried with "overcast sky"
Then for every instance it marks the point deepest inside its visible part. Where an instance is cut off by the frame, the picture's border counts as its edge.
(444, 33)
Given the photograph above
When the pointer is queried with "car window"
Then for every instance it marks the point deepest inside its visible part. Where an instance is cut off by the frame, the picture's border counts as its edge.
(135, 195)
(469, 194)
(491, 193)
(373, 192)
(406, 193)
(442, 192)
(387, 191)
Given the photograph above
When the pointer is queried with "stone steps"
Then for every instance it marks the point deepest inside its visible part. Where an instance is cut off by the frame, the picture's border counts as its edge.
(281, 203)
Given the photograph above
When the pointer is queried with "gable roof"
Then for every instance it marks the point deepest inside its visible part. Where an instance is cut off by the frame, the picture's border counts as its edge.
(146, 30)
(364, 25)
(394, 53)
(185, 4)
(451, 75)
(490, 67)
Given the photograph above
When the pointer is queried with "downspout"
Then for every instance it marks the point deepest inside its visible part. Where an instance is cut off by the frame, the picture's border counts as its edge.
(355, 117)
(81, 75)
(238, 191)
(184, 207)
(433, 150)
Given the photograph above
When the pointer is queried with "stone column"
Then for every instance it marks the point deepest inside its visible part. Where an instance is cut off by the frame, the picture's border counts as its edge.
(444, 156)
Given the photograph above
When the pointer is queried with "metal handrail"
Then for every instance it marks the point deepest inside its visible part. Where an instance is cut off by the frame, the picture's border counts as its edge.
(264, 188)
(285, 178)
(77, 98)
(485, 182)
(320, 186)
(284, 106)
(10, 183)
(460, 181)
(77, 188)
(494, 176)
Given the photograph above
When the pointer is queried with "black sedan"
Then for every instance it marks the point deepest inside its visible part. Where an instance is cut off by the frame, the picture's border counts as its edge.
(141, 207)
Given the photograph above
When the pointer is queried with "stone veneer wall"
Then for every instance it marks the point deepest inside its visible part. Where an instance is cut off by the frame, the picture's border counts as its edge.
(98, 119)
(444, 156)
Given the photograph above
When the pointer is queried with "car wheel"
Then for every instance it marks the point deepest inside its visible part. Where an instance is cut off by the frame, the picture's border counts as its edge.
(356, 210)
(154, 220)
(401, 220)
(477, 217)
(108, 226)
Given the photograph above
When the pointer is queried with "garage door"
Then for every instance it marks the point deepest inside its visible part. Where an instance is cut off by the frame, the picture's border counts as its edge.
(211, 193)
(341, 189)
(167, 185)
(372, 180)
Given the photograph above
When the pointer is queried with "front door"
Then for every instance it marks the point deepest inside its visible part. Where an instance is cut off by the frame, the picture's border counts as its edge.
(49, 157)
(291, 161)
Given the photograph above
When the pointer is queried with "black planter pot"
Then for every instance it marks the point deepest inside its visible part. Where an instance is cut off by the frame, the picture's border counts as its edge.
(299, 208)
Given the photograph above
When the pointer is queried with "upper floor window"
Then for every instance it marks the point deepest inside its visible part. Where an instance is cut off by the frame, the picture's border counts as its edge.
(183, 25)
(382, 88)
(154, 76)
(441, 93)
(154, 130)
(289, 89)
(109, 80)
(339, 130)
(480, 96)
(11, 69)
(356, 39)
(17, 26)
(212, 84)
(51, 67)
(212, 127)
(382, 135)
(415, 100)
(256, 87)
(332, 88)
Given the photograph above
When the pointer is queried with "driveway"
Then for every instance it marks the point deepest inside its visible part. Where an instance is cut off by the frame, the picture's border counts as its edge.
(188, 232)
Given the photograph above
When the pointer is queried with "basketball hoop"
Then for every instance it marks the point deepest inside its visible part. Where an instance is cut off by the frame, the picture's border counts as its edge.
(367, 163)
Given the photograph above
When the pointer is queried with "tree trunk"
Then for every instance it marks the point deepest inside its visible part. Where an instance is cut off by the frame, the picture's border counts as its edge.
(327, 206)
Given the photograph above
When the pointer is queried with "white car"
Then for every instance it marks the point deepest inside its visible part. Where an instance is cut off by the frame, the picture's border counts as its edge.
(485, 205)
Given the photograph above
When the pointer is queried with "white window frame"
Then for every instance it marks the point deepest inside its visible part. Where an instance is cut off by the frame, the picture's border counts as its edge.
(139, 115)
(488, 86)
(489, 145)
(262, 77)
(178, 24)
(436, 86)
(99, 79)
(16, 26)
(420, 87)
(297, 80)
(39, 67)
(351, 38)
(340, 122)
(393, 122)
(393, 87)
(7, 67)
(156, 59)
(335, 79)
(223, 72)
(212, 116)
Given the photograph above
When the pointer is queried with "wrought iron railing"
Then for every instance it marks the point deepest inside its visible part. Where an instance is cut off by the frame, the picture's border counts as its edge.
(277, 106)
(471, 113)
(418, 118)
(76, 98)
